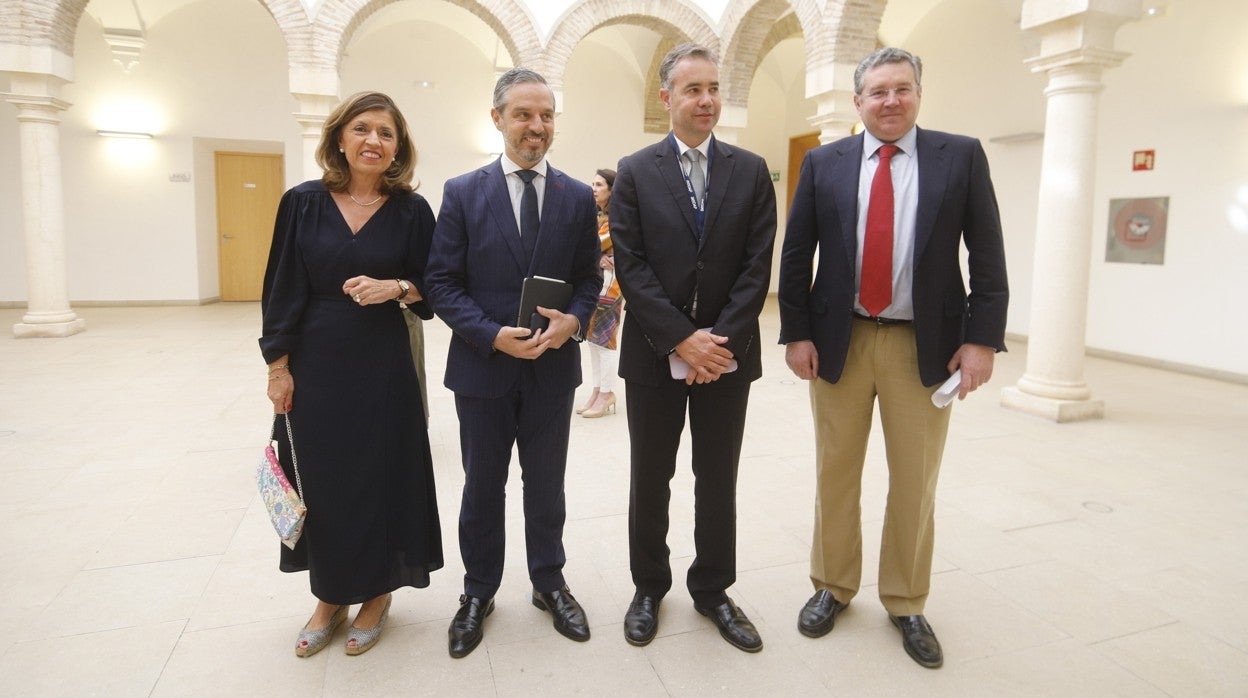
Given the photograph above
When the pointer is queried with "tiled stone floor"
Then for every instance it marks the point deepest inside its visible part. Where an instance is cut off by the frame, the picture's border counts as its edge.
(1094, 559)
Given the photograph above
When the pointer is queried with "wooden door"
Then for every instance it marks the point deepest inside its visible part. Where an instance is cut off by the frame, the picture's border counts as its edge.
(249, 186)
(798, 145)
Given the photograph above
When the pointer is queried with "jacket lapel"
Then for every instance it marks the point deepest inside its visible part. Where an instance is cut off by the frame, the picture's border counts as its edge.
(933, 179)
(848, 168)
(498, 198)
(552, 204)
(718, 177)
(667, 162)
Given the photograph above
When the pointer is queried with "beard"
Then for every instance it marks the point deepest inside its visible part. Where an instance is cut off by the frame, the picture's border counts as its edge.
(528, 153)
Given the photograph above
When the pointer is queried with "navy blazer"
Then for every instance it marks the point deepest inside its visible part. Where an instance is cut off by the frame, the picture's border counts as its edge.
(477, 265)
(661, 261)
(956, 204)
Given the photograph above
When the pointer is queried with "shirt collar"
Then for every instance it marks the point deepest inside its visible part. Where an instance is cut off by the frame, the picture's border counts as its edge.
(704, 148)
(908, 143)
(509, 166)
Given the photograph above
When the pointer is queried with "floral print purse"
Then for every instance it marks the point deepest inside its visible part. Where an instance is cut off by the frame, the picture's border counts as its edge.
(283, 502)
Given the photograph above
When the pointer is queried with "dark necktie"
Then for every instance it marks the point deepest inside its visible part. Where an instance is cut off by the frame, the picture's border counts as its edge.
(875, 290)
(529, 220)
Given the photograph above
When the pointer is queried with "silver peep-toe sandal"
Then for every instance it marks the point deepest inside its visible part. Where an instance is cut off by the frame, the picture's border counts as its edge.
(312, 641)
(365, 638)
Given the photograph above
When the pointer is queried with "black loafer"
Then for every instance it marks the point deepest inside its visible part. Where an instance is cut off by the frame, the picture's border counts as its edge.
(641, 622)
(919, 640)
(819, 614)
(466, 628)
(569, 616)
(733, 626)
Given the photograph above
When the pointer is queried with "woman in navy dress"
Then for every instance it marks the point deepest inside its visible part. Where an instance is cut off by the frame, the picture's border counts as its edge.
(346, 250)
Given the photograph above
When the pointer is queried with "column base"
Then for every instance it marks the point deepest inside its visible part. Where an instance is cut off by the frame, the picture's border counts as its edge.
(1050, 408)
(23, 330)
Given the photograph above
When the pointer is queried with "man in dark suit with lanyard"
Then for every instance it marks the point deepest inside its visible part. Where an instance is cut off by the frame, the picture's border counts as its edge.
(693, 221)
(886, 317)
(514, 218)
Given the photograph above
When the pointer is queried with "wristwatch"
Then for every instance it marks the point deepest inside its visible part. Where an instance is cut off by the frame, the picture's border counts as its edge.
(407, 288)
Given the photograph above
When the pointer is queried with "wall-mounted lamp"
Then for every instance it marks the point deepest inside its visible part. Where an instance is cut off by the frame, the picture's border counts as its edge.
(122, 134)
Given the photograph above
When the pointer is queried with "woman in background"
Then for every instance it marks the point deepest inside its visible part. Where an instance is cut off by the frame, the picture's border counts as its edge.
(346, 250)
(604, 324)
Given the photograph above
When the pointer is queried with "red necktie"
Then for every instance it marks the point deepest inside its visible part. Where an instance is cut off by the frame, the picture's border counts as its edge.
(875, 290)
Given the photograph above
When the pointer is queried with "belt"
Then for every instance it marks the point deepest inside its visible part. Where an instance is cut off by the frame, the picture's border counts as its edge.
(882, 320)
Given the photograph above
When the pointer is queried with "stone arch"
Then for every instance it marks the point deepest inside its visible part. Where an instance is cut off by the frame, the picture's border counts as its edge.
(337, 21)
(751, 31)
(787, 28)
(30, 23)
(675, 21)
(292, 19)
(850, 31)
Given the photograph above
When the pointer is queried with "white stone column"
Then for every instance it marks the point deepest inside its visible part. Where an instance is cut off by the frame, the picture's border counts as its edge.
(832, 88)
(316, 89)
(313, 110)
(43, 209)
(732, 122)
(1076, 47)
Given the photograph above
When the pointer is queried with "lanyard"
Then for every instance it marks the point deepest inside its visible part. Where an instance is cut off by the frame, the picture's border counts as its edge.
(699, 207)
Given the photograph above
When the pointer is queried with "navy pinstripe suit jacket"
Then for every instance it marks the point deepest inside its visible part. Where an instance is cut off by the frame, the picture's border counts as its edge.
(477, 265)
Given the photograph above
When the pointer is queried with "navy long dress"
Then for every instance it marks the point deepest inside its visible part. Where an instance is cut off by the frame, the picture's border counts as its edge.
(359, 427)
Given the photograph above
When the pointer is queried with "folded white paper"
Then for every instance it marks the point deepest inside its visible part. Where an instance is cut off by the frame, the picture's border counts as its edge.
(948, 390)
(680, 367)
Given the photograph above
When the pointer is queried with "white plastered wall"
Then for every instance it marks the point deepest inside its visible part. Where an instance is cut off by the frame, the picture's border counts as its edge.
(218, 70)
(1183, 92)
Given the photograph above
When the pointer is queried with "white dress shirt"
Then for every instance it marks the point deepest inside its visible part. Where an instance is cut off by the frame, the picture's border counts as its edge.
(516, 185)
(905, 170)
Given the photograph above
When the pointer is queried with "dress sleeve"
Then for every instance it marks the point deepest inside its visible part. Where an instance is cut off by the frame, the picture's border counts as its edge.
(419, 242)
(286, 283)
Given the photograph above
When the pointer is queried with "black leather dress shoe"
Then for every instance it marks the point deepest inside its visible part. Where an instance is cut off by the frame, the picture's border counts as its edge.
(466, 628)
(569, 616)
(641, 622)
(733, 626)
(919, 640)
(819, 614)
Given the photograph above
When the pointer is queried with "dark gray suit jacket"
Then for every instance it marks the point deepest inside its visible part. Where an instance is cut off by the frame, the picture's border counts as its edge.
(661, 262)
(956, 204)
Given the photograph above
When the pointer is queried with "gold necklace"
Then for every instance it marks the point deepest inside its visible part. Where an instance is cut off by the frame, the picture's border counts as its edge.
(363, 203)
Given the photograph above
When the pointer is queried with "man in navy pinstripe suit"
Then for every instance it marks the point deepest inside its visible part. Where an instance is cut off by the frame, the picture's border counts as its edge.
(514, 386)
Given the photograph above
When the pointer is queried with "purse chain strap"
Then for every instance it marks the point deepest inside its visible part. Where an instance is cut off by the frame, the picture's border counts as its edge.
(294, 459)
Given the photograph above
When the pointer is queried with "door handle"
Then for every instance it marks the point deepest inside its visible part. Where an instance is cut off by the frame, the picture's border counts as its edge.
(227, 237)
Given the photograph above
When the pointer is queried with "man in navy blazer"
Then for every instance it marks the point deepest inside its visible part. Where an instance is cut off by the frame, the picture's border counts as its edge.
(693, 221)
(860, 342)
(514, 218)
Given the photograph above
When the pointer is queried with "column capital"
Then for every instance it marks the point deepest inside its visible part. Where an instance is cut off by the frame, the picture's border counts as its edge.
(314, 80)
(35, 91)
(832, 87)
(36, 60)
(1089, 59)
(1077, 24)
(313, 109)
(36, 107)
(833, 126)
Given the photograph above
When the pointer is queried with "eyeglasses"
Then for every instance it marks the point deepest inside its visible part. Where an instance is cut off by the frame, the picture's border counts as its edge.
(900, 93)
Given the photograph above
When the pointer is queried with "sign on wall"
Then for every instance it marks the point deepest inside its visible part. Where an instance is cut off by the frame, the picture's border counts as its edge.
(1137, 230)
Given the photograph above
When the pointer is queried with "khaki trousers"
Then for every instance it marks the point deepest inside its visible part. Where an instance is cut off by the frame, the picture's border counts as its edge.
(882, 365)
